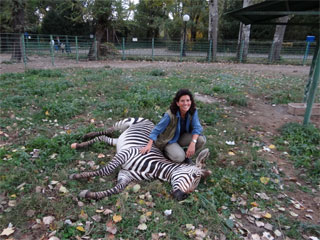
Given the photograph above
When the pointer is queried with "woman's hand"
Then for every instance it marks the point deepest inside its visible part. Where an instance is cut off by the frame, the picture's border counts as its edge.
(191, 150)
(147, 148)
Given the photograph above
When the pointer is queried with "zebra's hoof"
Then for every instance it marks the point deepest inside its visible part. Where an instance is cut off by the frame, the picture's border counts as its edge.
(83, 193)
(74, 145)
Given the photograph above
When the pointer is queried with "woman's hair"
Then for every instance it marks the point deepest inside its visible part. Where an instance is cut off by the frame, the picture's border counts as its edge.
(182, 92)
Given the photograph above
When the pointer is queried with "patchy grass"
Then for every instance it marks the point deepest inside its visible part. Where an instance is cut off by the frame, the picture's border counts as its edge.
(47, 110)
(302, 144)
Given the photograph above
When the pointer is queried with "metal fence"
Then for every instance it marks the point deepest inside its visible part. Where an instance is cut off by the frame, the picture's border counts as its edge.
(80, 48)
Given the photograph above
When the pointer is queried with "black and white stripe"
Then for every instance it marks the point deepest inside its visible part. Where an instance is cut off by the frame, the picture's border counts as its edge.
(136, 167)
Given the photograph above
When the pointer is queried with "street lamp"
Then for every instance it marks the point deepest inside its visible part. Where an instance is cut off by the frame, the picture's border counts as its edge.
(185, 18)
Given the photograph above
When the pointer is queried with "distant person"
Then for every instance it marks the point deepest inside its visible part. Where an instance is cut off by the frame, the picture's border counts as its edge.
(179, 128)
(62, 47)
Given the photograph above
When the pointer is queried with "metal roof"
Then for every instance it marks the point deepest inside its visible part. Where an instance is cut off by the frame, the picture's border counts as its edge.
(262, 13)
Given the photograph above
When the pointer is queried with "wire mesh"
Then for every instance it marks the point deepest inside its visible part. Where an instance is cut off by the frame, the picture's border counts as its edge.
(23, 47)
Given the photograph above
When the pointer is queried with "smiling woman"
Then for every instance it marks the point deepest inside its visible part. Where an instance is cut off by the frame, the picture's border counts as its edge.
(179, 129)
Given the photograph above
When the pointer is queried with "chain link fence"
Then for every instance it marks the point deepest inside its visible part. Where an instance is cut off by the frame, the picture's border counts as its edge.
(24, 47)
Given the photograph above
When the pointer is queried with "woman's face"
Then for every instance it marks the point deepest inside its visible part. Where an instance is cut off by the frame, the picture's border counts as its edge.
(184, 103)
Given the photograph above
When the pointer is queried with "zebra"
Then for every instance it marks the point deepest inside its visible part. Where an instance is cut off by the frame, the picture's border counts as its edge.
(184, 178)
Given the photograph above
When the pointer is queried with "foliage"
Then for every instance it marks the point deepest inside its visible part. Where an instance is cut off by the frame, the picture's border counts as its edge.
(302, 143)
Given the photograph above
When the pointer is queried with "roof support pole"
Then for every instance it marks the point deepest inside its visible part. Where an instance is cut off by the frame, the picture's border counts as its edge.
(313, 87)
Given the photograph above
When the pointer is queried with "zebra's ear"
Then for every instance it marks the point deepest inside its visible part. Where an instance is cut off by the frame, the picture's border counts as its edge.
(201, 159)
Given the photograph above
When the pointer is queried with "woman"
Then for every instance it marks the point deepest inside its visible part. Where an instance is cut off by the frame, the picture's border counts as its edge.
(179, 127)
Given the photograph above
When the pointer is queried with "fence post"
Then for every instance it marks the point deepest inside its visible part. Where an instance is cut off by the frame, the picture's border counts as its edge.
(312, 93)
(152, 49)
(181, 50)
(77, 50)
(241, 51)
(96, 49)
(24, 50)
(52, 49)
(306, 53)
(271, 53)
(210, 50)
(123, 49)
(38, 44)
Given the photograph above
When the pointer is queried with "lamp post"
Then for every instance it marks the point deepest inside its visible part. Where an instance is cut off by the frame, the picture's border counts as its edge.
(185, 18)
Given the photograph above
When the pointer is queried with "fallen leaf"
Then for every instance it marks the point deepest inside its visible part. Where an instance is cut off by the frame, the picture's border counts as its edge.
(111, 227)
(230, 153)
(142, 226)
(47, 113)
(272, 146)
(293, 214)
(267, 215)
(254, 204)
(117, 218)
(107, 212)
(148, 214)
(259, 224)
(277, 233)
(101, 155)
(48, 220)
(168, 212)
(81, 229)
(63, 189)
(136, 188)
(12, 203)
(190, 227)
(96, 218)
(230, 143)
(7, 231)
(83, 215)
(264, 180)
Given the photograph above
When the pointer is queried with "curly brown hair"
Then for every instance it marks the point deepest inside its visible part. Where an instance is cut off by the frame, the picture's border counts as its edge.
(182, 92)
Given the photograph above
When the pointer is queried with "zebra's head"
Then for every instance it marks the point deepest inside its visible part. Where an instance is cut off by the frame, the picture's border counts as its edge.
(187, 177)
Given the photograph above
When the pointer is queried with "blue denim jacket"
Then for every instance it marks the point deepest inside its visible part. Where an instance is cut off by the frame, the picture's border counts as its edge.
(164, 122)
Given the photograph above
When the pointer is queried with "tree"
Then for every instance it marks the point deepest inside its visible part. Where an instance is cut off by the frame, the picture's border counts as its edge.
(244, 37)
(213, 26)
(275, 50)
(18, 27)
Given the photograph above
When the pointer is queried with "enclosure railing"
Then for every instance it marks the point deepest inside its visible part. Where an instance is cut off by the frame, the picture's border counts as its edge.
(24, 47)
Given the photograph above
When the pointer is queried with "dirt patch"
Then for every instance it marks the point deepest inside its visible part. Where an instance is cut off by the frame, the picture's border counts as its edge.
(38, 62)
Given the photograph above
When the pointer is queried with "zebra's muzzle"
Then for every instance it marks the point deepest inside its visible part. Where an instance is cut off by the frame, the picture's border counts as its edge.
(179, 195)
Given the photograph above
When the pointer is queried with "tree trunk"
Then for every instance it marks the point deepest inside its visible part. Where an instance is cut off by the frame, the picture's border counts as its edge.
(243, 38)
(278, 36)
(213, 27)
(99, 34)
(18, 27)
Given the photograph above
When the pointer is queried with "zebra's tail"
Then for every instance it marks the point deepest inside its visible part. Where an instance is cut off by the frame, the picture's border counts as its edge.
(106, 139)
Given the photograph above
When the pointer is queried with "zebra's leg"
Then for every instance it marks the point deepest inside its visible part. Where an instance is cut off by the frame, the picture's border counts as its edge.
(124, 178)
(91, 135)
(106, 139)
(117, 161)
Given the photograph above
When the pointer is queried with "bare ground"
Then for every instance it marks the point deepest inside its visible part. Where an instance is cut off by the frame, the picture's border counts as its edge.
(258, 113)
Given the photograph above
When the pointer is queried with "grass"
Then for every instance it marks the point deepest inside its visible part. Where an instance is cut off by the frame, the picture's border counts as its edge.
(302, 144)
(50, 109)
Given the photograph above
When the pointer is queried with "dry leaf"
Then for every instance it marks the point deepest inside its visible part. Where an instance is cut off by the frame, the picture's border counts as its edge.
(272, 146)
(117, 218)
(63, 189)
(111, 228)
(83, 215)
(96, 218)
(293, 214)
(168, 212)
(264, 180)
(47, 113)
(81, 229)
(148, 214)
(12, 203)
(101, 155)
(7, 231)
(48, 220)
(142, 226)
(267, 215)
(254, 204)
(107, 212)
(136, 188)
(230, 153)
